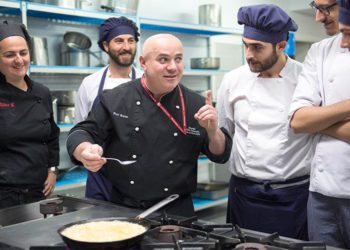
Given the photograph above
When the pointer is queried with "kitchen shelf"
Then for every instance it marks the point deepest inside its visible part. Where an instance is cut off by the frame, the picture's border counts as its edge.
(70, 14)
(77, 179)
(10, 4)
(187, 28)
(10, 7)
(200, 204)
(62, 69)
(90, 70)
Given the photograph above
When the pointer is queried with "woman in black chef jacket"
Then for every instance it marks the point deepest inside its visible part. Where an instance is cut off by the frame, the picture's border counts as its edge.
(29, 146)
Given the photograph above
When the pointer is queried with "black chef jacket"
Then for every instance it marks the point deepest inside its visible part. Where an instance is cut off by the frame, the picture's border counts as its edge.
(130, 126)
(29, 142)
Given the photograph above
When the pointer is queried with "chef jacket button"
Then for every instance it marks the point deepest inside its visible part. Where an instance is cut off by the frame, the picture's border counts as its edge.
(44, 121)
(137, 129)
(138, 103)
(166, 189)
(38, 100)
(331, 80)
(175, 134)
(177, 106)
(320, 170)
(171, 162)
(134, 156)
(132, 182)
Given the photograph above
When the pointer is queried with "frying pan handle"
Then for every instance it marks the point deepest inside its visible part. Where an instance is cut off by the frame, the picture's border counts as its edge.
(157, 206)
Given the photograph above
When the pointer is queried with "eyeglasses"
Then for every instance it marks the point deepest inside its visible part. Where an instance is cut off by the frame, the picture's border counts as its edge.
(324, 9)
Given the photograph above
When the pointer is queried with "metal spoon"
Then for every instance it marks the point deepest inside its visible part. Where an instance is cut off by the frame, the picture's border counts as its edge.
(121, 162)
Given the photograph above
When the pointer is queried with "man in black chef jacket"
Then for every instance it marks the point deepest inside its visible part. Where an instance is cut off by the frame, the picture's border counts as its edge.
(158, 122)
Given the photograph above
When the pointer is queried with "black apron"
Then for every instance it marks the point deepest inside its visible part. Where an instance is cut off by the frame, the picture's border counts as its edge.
(98, 186)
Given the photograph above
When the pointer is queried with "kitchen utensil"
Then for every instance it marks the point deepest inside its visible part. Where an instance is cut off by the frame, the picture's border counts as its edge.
(65, 97)
(205, 63)
(65, 114)
(122, 244)
(54, 108)
(38, 51)
(75, 49)
(128, 7)
(121, 162)
(210, 14)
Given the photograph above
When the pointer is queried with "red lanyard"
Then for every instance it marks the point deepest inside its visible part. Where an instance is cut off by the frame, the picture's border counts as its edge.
(166, 112)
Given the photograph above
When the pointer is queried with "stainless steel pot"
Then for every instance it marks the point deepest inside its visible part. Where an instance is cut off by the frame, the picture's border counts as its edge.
(54, 108)
(128, 7)
(205, 63)
(75, 49)
(66, 98)
(65, 114)
(38, 52)
(210, 14)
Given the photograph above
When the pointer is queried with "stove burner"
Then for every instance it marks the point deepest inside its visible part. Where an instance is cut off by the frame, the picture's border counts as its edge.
(169, 233)
(52, 206)
(250, 246)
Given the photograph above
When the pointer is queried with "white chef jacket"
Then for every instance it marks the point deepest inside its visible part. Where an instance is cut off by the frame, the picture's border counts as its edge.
(255, 110)
(324, 81)
(89, 88)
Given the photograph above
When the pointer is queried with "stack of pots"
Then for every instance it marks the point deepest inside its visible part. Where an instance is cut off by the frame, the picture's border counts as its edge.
(75, 49)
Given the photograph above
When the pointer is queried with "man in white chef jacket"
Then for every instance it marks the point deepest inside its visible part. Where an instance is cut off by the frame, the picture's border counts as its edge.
(327, 14)
(118, 37)
(269, 163)
(321, 106)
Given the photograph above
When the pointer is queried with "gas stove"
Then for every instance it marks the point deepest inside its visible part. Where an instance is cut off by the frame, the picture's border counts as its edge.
(36, 231)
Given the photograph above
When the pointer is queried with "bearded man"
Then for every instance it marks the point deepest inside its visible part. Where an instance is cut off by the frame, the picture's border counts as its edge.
(269, 163)
(118, 37)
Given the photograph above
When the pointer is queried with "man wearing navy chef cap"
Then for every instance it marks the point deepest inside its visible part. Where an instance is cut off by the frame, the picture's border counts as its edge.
(118, 37)
(321, 106)
(269, 163)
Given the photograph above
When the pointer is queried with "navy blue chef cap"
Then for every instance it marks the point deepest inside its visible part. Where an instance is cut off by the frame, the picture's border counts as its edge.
(266, 23)
(13, 29)
(113, 27)
(344, 11)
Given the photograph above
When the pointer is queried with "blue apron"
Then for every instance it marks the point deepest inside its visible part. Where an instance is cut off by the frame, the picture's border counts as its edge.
(270, 207)
(97, 186)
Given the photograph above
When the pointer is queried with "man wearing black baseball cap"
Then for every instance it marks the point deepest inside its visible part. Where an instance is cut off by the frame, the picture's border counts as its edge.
(269, 164)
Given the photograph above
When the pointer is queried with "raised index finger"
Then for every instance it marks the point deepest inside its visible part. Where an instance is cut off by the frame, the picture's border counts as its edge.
(208, 98)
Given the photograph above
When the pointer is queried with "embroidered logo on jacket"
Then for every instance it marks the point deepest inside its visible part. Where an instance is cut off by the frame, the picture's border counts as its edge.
(120, 115)
(7, 104)
(193, 131)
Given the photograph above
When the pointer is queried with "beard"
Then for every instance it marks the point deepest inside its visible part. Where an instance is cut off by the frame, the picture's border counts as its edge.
(261, 66)
(117, 58)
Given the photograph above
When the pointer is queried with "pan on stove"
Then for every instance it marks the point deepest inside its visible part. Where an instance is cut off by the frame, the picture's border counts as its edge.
(117, 244)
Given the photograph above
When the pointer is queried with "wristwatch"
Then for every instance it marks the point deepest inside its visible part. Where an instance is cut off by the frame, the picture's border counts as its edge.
(53, 170)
